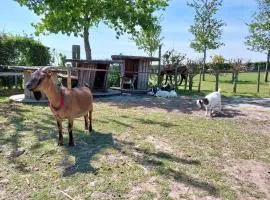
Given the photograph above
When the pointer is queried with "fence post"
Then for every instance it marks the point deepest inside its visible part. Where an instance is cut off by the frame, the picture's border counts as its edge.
(235, 81)
(69, 76)
(75, 54)
(200, 81)
(258, 80)
(217, 80)
(190, 78)
(159, 65)
(16, 82)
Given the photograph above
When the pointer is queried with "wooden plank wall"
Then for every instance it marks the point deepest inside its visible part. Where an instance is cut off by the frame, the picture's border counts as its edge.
(143, 74)
(86, 76)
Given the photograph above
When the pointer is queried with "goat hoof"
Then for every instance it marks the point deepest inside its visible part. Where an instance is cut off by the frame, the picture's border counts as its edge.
(71, 144)
(60, 144)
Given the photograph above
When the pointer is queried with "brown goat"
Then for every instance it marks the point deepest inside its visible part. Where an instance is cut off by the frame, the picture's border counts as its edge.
(64, 103)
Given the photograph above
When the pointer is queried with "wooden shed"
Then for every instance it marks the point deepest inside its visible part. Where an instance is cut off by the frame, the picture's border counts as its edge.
(134, 71)
(94, 73)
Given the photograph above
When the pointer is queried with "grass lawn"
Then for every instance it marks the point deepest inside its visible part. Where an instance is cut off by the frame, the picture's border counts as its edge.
(247, 85)
(134, 152)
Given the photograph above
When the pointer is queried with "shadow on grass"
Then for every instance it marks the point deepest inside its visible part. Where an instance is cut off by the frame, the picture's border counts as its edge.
(156, 161)
(87, 145)
(150, 122)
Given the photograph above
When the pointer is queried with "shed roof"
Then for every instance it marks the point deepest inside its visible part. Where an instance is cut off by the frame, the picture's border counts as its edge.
(126, 57)
(94, 61)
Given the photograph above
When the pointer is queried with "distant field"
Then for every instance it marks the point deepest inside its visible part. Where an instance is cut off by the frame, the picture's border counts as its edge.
(247, 85)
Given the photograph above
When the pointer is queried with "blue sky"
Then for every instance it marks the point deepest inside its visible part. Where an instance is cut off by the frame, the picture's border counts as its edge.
(175, 22)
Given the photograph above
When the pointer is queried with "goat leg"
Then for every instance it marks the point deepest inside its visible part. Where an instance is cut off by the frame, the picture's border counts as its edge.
(90, 121)
(70, 126)
(60, 138)
(86, 126)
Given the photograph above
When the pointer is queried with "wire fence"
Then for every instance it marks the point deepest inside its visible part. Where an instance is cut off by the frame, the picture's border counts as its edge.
(247, 82)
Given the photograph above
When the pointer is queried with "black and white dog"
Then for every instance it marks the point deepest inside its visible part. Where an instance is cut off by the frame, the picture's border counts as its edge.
(211, 102)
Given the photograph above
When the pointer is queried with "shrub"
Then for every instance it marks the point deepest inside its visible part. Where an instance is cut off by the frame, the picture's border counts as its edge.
(23, 50)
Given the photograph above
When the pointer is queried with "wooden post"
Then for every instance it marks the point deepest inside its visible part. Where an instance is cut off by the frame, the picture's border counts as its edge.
(69, 76)
(258, 80)
(190, 82)
(16, 82)
(175, 79)
(27, 75)
(235, 79)
(159, 65)
(217, 80)
(200, 81)
(75, 54)
(267, 66)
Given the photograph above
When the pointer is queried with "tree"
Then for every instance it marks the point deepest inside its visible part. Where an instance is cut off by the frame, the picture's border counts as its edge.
(77, 17)
(218, 64)
(206, 28)
(237, 65)
(149, 40)
(194, 67)
(259, 30)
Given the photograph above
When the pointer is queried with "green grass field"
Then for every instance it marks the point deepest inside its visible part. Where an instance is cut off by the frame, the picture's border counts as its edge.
(134, 152)
(247, 85)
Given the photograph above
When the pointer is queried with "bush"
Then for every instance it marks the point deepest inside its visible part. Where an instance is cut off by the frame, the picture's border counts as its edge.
(20, 50)
(114, 76)
(23, 50)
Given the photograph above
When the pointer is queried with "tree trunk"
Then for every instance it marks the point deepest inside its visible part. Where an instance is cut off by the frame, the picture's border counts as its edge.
(204, 63)
(186, 80)
(217, 81)
(87, 47)
(267, 66)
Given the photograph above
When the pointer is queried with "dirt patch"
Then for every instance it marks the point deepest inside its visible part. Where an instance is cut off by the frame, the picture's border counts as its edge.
(248, 108)
(150, 186)
(182, 191)
(159, 144)
(252, 175)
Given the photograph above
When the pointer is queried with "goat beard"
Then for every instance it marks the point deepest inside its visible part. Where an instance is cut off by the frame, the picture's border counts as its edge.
(37, 95)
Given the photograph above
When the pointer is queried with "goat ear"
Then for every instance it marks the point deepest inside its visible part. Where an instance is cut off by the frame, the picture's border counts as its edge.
(205, 101)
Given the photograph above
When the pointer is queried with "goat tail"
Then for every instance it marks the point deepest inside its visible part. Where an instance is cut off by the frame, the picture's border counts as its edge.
(219, 90)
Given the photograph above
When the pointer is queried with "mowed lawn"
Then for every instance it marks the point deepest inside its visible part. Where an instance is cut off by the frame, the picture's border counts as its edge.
(246, 86)
(134, 152)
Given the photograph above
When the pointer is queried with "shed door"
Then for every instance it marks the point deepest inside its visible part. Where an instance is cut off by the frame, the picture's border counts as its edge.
(143, 75)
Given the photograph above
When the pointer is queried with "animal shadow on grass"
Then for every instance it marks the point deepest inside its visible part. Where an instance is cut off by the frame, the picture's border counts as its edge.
(86, 146)
(228, 113)
(156, 161)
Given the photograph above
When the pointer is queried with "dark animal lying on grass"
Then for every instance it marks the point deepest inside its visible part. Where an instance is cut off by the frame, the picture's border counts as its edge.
(64, 103)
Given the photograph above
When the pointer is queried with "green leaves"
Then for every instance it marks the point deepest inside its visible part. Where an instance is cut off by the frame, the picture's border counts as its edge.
(70, 17)
(73, 17)
(259, 28)
(23, 50)
(149, 40)
(206, 28)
